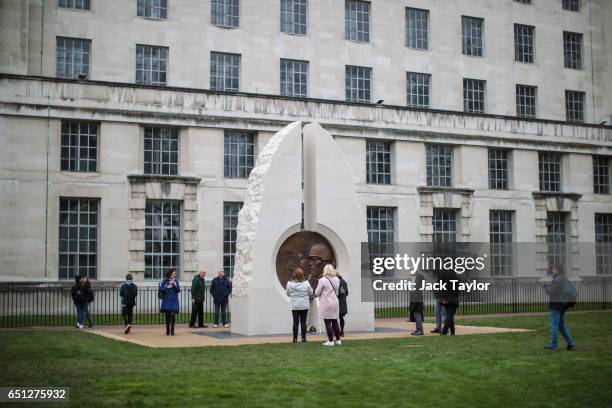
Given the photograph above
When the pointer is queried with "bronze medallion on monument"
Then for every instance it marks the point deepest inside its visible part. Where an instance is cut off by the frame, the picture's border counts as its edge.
(308, 250)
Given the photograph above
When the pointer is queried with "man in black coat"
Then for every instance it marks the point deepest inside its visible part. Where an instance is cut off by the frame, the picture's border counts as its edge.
(80, 297)
(342, 294)
(221, 289)
(416, 304)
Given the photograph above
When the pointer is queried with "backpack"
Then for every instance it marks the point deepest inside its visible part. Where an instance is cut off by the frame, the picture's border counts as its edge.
(569, 294)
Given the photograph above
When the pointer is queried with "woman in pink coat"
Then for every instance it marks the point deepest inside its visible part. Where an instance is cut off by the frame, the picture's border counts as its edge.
(329, 307)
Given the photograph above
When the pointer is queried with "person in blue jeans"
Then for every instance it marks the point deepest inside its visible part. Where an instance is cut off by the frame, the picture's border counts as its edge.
(557, 310)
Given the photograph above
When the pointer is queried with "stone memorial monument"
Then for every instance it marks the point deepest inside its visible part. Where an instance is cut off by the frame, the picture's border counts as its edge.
(300, 209)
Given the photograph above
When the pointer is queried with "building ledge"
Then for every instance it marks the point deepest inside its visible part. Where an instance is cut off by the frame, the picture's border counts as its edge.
(147, 178)
(556, 194)
(455, 190)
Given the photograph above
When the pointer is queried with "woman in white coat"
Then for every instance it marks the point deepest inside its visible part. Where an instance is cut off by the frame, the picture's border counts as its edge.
(299, 292)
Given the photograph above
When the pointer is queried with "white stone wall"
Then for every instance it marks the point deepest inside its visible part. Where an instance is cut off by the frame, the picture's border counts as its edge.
(31, 110)
(114, 30)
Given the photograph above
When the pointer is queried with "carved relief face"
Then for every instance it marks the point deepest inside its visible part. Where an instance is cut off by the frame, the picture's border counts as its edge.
(308, 250)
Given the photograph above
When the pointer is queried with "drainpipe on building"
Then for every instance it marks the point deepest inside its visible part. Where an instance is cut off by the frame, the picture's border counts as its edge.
(47, 184)
(592, 60)
(42, 35)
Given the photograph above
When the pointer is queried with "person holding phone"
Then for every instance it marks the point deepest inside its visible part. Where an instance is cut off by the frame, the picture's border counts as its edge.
(169, 289)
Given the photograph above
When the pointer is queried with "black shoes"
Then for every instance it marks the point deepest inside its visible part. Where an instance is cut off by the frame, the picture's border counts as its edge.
(192, 326)
(434, 331)
(417, 333)
(303, 339)
(202, 326)
(570, 347)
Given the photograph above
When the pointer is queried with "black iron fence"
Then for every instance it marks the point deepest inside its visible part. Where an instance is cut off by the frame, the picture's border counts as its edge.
(511, 295)
(23, 305)
(26, 305)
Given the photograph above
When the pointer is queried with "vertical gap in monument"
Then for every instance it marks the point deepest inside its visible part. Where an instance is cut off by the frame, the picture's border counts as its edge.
(309, 189)
(302, 169)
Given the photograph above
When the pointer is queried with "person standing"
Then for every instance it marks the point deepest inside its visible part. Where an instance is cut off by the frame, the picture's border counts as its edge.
(449, 300)
(90, 297)
(561, 292)
(128, 293)
(416, 304)
(220, 289)
(198, 295)
(438, 309)
(329, 307)
(169, 289)
(79, 297)
(342, 294)
(299, 292)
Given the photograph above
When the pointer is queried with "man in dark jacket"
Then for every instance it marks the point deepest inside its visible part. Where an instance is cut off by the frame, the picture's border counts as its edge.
(80, 297)
(557, 308)
(198, 294)
(416, 304)
(449, 299)
(220, 289)
(342, 294)
(128, 293)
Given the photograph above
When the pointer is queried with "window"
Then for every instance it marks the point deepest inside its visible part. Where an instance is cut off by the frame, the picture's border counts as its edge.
(524, 37)
(294, 78)
(556, 239)
(381, 232)
(293, 16)
(225, 13)
(357, 20)
(358, 82)
(439, 165)
(472, 34)
(498, 169)
(474, 95)
(601, 175)
(72, 58)
(444, 224)
(571, 5)
(603, 243)
(79, 151)
(417, 28)
(574, 106)
(523, 1)
(572, 50)
(224, 71)
(239, 154)
(162, 238)
(526, 101)
(160, 151)
(418, 88)
(153, 9)
(500, 237)
(378, 162)
(151, 65)
(78, 237)
(74, 4)
(550, 171)
(230, 225)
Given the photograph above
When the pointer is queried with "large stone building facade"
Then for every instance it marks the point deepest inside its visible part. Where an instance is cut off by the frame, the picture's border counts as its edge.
(128, 128)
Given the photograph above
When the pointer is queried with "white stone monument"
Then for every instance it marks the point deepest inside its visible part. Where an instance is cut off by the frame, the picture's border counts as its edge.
(298, 165)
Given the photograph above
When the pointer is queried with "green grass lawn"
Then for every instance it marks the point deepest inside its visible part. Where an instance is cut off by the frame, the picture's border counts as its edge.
(495, 370)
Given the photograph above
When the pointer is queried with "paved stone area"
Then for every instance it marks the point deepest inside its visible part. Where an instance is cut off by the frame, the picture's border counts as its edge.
(154, 335)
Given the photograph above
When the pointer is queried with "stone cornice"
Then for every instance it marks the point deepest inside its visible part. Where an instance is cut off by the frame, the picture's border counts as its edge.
(139, 104)
(454, 190)
(555, 194)
(145, 178)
